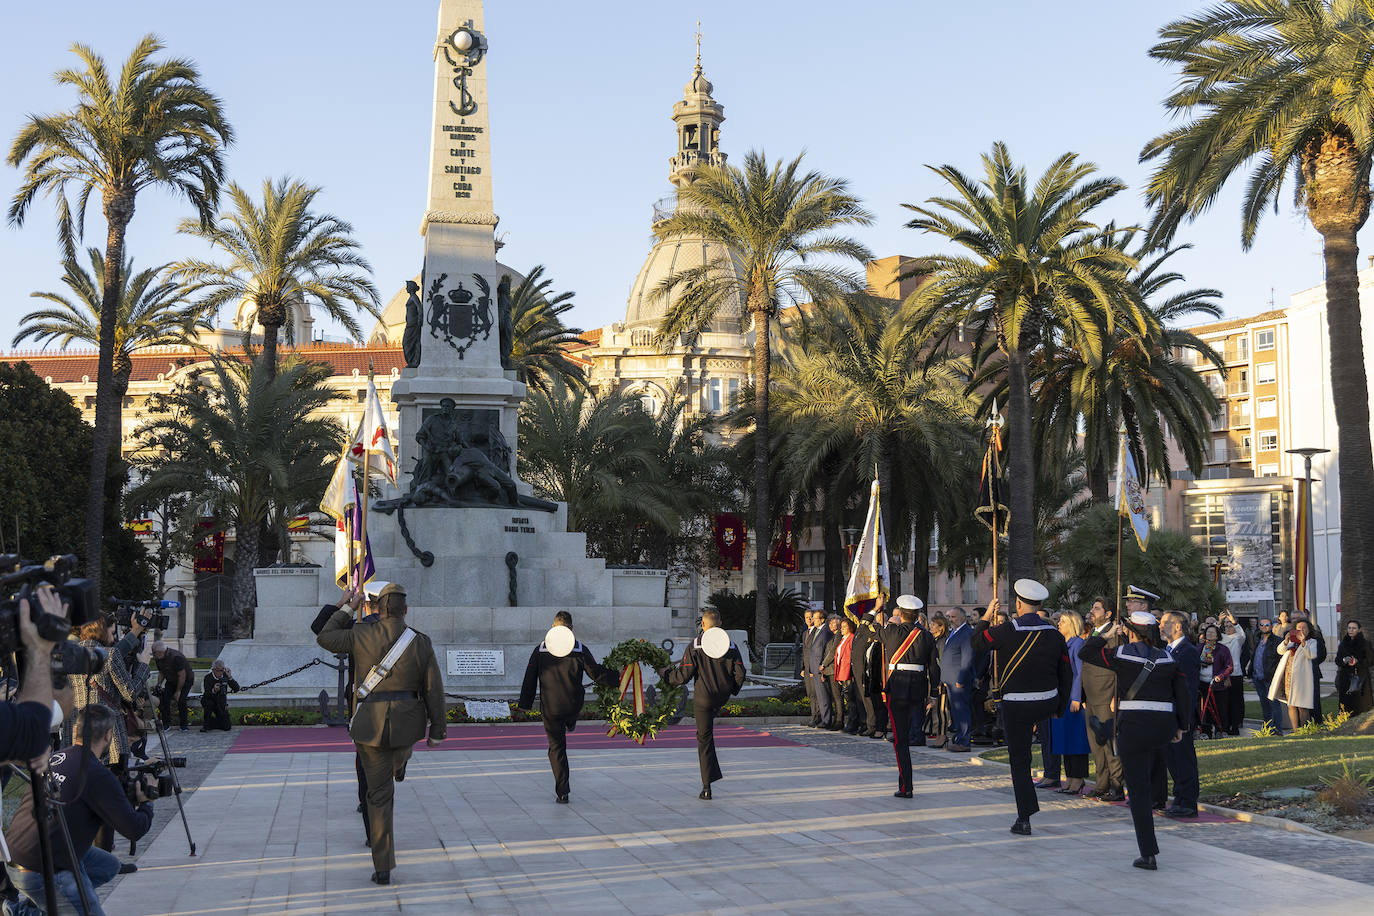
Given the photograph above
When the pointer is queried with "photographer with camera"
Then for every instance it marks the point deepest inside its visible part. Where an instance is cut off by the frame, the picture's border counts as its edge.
(92, 798)
(214, 696)
(26, 722)
(174, 681)
(116, 684)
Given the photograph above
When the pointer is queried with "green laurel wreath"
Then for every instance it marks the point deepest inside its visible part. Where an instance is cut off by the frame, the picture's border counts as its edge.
(620, 714)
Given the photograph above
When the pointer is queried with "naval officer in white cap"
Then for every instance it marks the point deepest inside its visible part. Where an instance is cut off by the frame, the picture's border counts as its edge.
(1033, 677)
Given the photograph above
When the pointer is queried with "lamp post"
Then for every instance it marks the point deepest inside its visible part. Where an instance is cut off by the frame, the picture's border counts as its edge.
(1307, 454)
(851, 542)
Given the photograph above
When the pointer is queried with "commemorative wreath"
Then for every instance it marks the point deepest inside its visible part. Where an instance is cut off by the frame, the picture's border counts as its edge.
(624, 706)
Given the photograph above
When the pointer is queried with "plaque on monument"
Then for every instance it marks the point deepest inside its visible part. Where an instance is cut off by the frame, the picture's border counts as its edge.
(476, 662)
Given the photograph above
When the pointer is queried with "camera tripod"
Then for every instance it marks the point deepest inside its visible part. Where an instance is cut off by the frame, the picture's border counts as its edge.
(147, 696)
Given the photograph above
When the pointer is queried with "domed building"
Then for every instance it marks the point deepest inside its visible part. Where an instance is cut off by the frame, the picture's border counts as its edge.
(623, 356)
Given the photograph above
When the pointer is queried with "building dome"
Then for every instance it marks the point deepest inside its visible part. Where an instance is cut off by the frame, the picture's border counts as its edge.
(669, 257)
(698, 85)
(392, 325)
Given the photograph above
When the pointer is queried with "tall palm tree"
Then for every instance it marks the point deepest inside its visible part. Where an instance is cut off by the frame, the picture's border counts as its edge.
(779, 227)
(233, 442)
(1035, 269)
(284, 258)
(541, 338)
(1277, 89)
(155, 126)
(150, 311)
(861, 388)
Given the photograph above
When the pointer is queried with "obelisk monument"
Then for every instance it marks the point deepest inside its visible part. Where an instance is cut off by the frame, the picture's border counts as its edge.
(460, 331)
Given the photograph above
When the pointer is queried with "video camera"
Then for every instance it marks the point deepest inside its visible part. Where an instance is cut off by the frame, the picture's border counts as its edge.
(126, 610)
(19, 581)
(165, 784)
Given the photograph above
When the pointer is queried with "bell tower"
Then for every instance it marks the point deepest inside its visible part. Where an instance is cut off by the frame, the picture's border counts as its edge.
(698, 117)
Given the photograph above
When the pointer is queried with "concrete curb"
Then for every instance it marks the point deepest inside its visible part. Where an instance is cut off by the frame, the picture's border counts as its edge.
(1249, 817)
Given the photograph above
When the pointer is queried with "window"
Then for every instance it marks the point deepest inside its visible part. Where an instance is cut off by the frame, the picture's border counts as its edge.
(1266, 373)
(651, 404)
(1266, 408)
(713, 399)
(811, 561)
(734, 391)
(1243, 347)
(970, 591)
(1264, 340)
(1219, 449)
(1269, 470)
(1269, 442)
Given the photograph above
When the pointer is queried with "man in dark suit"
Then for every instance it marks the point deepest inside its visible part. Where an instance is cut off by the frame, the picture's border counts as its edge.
(808, 681)
(394, 703)
(1180, 757)
(556, 671)
(831, 686)
(815, 659)
(956, 674)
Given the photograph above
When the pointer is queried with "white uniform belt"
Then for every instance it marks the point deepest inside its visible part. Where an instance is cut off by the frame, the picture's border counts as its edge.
(1145, 705)
(906, 667)
(1031, 697)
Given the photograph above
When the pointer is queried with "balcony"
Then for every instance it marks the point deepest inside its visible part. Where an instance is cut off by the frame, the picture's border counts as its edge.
(1238, 388)
(1232, 354)
(1239, 419)
(665, 208)
(1229, 455)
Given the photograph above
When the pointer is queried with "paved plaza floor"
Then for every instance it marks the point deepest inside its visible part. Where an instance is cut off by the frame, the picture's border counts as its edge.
(804, 822)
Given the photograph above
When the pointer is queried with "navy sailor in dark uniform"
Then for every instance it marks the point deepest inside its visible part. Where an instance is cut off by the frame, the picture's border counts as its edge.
(907, 652)
(714, 663)
(1034, 678)
(1153, 710)
(556, 667)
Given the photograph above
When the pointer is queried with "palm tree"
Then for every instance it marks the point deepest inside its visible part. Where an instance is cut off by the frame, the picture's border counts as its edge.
(541, 338)
(233, 443)
(860, 389)
(778, 227)
(1278, 89)
(283, 257)
(156, 126)
(150, 311)
(1035, 268)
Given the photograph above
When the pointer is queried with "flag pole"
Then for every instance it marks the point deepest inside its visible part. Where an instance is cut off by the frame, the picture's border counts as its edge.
(1120, 524)
(362, 497)
(994, 472)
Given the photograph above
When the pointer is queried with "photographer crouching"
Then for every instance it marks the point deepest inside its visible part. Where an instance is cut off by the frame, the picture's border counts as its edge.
(214, 696)
(92, 797)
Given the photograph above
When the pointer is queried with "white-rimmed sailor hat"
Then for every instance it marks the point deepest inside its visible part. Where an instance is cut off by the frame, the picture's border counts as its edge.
(559, 641)
(1143, 619)
(910, 602)
(1030, 591)
(715, 642)
(1135, 591)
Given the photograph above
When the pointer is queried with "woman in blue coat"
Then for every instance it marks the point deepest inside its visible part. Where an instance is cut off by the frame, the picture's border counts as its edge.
(1069, 733)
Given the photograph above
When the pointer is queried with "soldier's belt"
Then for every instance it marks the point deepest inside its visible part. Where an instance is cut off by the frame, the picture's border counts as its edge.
(390, 695)
(1031, 697)
(1145, 706)
(905, 667)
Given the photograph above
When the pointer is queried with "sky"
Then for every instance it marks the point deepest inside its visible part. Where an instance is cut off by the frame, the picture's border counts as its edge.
(339, 94)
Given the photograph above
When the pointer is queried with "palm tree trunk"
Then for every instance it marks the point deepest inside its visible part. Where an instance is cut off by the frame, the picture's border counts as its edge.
(885, 505)
(1020, 472)
(245, 592)
(269, 350)
(920, 573)
(762, 507)
(119, 209)
(1350, 397)
(122, 375)
(1098, 484)
(834, 549)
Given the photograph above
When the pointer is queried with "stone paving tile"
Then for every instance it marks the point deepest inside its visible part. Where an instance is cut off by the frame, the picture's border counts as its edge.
(788, 830)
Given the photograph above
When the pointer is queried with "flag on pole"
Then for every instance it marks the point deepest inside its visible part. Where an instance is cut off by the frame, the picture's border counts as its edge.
(373, 438)
(1300, 557)
(336, 496)
(1130, 496)
(992, 510)
(352, 555)
(869, 583)
(785, 550)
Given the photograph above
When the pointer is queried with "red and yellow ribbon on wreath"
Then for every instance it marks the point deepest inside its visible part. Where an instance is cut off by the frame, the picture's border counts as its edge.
(632, 681)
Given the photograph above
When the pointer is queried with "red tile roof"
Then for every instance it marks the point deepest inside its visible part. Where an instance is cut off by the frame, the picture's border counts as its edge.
(67, 367)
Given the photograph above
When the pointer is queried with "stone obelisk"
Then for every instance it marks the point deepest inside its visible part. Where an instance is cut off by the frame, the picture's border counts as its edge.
(461, 333)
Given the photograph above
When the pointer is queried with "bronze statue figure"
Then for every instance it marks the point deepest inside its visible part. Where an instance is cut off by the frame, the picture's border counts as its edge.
(505, 312)
(415, 316)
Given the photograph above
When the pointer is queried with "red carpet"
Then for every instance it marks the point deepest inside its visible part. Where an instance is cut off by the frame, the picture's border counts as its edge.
(589, 736)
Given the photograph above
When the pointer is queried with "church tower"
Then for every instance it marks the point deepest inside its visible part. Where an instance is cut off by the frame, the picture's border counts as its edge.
(698, 117)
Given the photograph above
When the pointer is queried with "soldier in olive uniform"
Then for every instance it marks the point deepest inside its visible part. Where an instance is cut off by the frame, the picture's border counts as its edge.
(391, 714)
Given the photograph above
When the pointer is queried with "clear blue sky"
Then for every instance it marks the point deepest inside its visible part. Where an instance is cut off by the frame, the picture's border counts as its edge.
(339, 94)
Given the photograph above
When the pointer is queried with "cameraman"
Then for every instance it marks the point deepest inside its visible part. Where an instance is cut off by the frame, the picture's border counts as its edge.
(175, 679)
(92, 797)
(26, 722)
(117, 683)
(214, 696)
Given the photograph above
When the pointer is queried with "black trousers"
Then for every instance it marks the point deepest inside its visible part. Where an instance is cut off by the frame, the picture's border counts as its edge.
(1141, 738)
(1235, 705)
(1018, 722)
(1179, 762)
(810, 681)
(853, 710)
(869, 721)
(164, 705)
(899, 719)
(557, 732)
(705, 715)
(837, 709)
(216, 713)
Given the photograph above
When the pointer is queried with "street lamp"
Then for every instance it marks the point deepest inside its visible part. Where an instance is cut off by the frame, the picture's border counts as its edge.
(1307, 454)
(851, 543)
